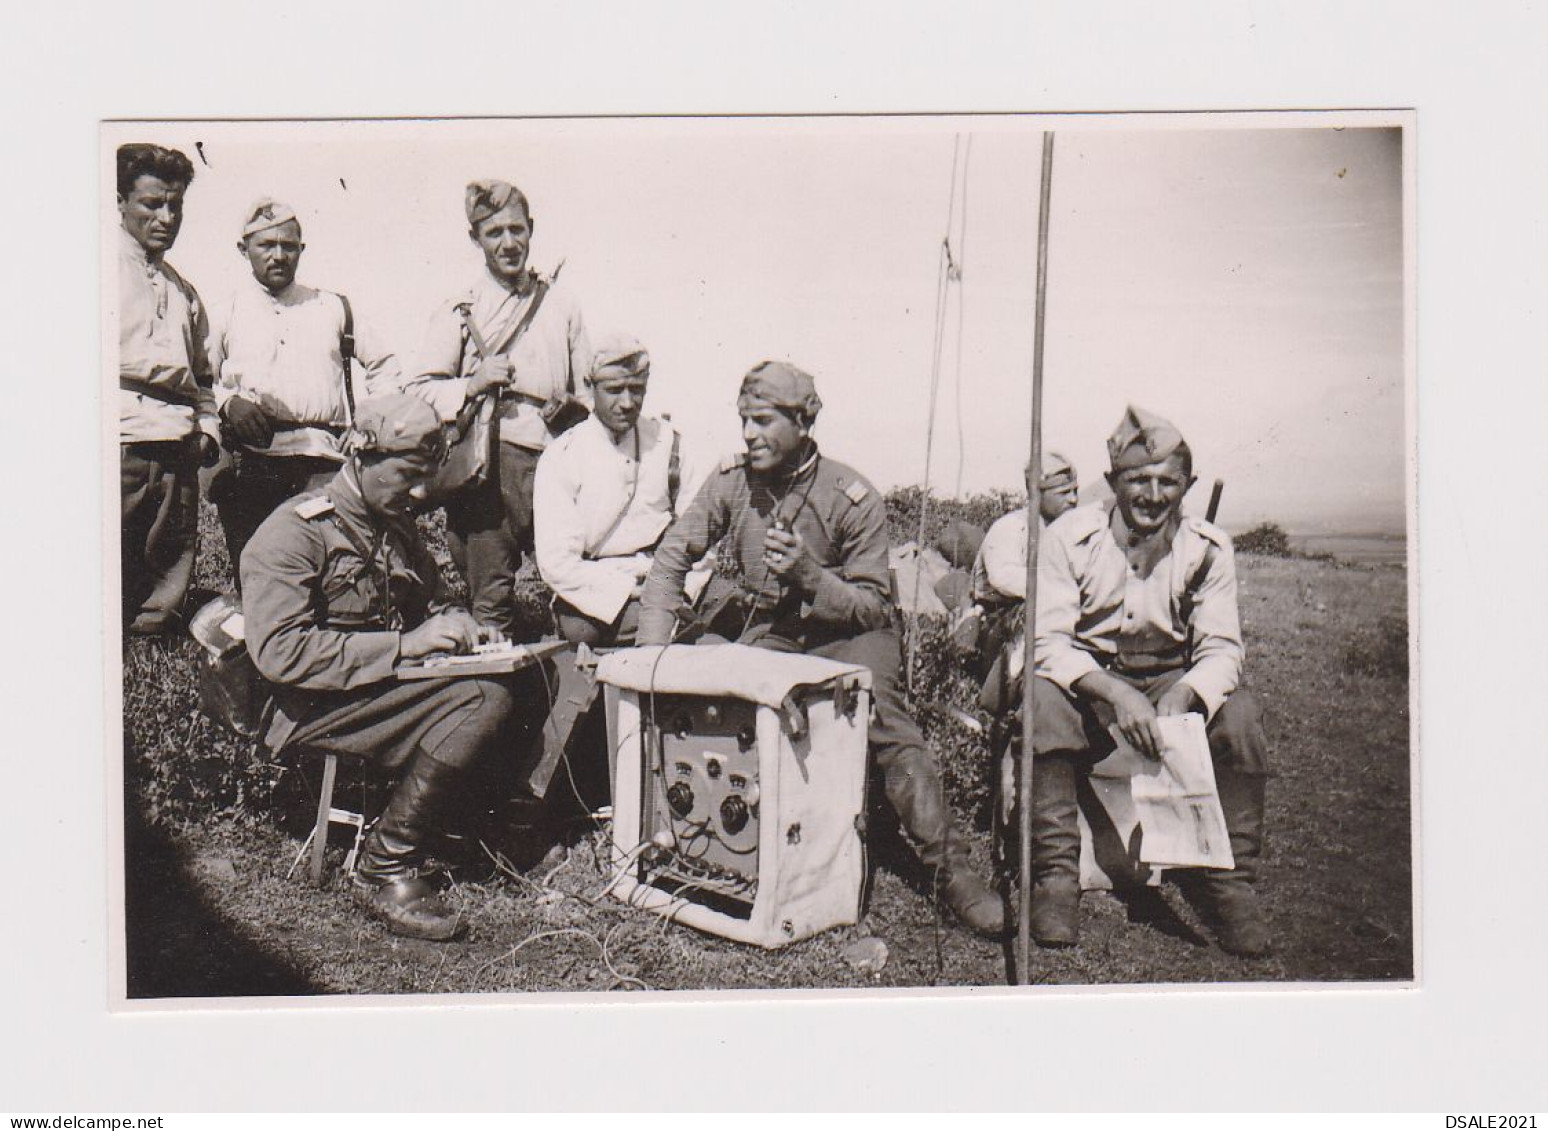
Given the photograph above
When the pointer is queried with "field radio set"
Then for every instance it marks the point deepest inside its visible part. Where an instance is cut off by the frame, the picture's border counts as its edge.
(739, 787)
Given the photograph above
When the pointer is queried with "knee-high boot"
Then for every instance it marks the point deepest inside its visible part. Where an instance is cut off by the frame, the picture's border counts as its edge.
(1227, 900)
(913, 787)
(388, 881)
(1055, 851)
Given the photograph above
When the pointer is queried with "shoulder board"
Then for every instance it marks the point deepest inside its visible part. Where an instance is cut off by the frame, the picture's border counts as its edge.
(855, 492)
(1208, 531)
(315, 507)
(732, 462)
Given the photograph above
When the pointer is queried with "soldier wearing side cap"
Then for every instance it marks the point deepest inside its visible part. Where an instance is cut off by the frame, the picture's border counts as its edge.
(1136, 618)
(338, 589)
(1000, 569)
(606, 492)
(518, 335)
(809, 537)
(280, 351)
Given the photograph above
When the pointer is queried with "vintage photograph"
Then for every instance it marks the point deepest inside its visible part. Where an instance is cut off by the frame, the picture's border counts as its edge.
(598, 555)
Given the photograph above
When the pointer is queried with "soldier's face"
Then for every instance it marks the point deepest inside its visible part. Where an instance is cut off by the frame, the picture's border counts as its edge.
(775, 439)
(1054, 501)
(617, 402)
(152, 213)
(504, 239)
(396, 484)
(274, 254)
(1149, 496)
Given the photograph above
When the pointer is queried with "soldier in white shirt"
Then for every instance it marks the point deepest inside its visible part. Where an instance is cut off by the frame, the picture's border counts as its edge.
(1000, 569)
(166, 414)
(1137, 618)
(606, 492)
(281, 351)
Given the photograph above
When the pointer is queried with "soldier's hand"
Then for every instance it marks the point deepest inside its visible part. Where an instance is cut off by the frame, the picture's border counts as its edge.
(492, 372)
(481, 633)
(1136, 720)
(1180, 699)
(444, 632)
(247, 422)
(786, 555)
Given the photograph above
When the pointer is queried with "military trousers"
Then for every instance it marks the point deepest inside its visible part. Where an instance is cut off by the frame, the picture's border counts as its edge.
(1070, 735)
(488, 529)
(252, 484)
(159, 531)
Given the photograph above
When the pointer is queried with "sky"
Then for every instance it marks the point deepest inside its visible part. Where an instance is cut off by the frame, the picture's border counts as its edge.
(1246, 283)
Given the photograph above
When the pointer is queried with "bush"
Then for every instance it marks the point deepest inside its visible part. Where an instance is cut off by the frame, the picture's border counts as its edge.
(1267, 538)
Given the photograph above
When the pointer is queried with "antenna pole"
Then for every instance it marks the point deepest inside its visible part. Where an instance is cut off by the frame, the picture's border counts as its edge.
(1034, 525)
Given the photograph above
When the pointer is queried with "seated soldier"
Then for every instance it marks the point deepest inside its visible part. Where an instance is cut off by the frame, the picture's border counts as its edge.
(338, 589)
(992, 614)
(1137, 618)
(1000, 569)
(809, 537)
(606, 491)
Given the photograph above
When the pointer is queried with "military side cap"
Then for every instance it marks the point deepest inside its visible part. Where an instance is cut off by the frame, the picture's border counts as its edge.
(1140, 438)
(780, 384)
(266, 213)
(1057, 472)
(616, 354)
(398, 423)
(482, 199)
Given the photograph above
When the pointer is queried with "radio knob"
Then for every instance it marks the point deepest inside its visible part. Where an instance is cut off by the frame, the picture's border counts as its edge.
(680, 798)
(733, 814)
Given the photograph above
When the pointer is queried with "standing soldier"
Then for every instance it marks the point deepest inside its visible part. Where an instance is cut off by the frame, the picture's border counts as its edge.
(281, 355)
(166, 412)
(809, 535)
(1137, 618)
(514, 335)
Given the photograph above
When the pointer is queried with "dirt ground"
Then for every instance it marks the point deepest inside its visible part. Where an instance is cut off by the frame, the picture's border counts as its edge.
(212, 910)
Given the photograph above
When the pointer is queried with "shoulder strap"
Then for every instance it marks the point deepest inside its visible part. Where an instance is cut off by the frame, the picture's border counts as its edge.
(540, 289)
(347, 355)
(674, 472)
(1190, 594)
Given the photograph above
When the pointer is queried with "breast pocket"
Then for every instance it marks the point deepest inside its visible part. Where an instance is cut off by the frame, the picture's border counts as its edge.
(350, 595)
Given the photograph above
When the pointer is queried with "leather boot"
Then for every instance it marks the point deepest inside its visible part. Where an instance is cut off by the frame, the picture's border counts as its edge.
(1055, 918)
(389, 882)
(1228, 900)
(913, 787)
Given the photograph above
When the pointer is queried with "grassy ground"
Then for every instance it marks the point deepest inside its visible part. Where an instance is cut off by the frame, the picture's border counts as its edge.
(212, 828)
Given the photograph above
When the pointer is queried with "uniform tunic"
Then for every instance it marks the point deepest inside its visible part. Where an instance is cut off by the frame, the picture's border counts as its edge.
(1096, 611)
(552, 358)
(838, 514)
(600, 506)
(282, 352)
(327, 590)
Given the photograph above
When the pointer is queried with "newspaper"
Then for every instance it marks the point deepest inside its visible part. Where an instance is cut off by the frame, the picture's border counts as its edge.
(1164, 814)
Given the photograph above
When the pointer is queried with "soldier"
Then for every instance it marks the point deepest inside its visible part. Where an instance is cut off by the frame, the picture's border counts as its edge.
(338, 590)
(1137, 618)
(514, 334)
(606, 491)
(809, 536)
(280, 352)
(166, 413)
(1000, 569)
